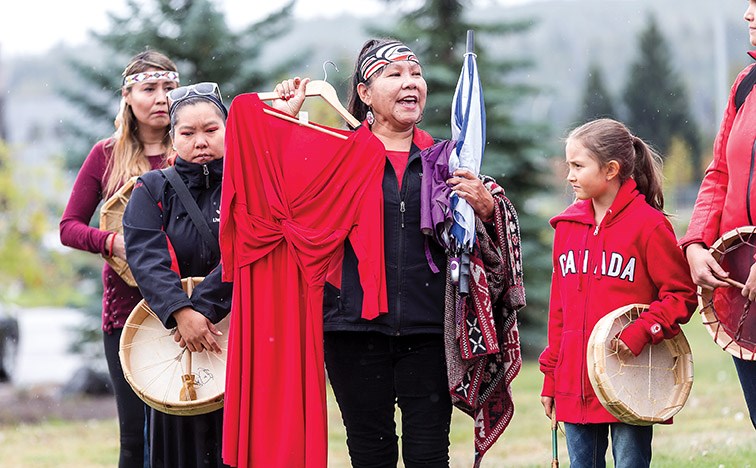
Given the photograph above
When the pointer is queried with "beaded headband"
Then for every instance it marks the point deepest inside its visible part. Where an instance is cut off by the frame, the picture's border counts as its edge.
(150, 76)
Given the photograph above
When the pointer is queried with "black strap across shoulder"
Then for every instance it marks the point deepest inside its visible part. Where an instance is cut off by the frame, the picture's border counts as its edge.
(191, 207)
(744, 88)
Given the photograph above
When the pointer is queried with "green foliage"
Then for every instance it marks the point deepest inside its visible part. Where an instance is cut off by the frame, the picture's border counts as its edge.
(194, 34)
(656, 99)
(30, 273)
(437, 33)
(597, 102)
(678, 171)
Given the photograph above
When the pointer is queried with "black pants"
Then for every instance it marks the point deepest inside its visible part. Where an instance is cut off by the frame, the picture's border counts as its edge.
(131, 409)
(370, 373)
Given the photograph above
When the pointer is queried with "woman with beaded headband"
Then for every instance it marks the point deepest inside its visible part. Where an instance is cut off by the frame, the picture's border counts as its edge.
(140, 143)
(399, 357)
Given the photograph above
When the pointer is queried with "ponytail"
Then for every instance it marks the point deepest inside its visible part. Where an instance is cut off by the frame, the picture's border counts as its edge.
(648, 173)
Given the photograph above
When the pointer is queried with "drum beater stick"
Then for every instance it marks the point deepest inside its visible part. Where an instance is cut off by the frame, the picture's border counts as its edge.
(555, 454)
(730, 281)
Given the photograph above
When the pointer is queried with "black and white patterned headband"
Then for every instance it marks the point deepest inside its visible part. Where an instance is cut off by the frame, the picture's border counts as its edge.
(380, 56)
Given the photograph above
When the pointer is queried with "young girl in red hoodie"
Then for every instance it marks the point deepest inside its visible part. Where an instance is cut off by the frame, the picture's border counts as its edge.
(612, 247)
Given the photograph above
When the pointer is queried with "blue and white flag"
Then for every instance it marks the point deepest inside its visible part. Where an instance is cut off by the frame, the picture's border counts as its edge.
(468, 124)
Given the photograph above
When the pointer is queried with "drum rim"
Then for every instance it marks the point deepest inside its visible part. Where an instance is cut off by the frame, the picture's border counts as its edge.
(119, 265)
(608, 397)
(705, 301)
(187, 408)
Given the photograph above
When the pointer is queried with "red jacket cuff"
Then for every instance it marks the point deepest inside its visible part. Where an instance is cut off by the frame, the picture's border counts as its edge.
(635, 337)
(548, 385)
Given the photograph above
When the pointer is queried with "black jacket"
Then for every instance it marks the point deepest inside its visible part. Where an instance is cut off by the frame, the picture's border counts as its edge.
(415, 293)
(161, 239)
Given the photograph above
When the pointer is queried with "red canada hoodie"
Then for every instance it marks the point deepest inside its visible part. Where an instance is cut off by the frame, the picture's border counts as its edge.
(631, 257)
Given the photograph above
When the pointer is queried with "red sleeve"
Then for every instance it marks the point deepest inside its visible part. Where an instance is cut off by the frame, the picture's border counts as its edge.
(707, 212)
(226, 229)
(550, 355)
(676, 298)
(86, 194)
(367, 240)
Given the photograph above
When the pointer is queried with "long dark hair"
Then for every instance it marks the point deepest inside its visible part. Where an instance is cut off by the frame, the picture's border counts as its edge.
(355, 105)
(608, 140)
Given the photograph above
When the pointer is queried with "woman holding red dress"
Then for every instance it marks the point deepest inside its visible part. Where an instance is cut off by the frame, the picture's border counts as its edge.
(398, 357)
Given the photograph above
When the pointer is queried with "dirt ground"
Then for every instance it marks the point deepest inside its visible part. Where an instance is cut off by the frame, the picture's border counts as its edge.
(38, 403)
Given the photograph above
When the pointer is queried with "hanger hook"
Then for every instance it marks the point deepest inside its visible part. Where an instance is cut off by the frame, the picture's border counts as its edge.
(325, 71)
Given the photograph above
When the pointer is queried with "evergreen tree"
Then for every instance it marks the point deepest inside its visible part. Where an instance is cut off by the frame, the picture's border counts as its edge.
(655, 97)
(437, 33)
(194, 34)
(597, 102)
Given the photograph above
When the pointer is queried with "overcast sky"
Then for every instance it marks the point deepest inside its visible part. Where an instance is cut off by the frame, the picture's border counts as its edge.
(34, 26)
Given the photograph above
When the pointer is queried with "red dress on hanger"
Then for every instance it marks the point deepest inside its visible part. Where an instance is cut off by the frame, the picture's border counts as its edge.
(291, 196)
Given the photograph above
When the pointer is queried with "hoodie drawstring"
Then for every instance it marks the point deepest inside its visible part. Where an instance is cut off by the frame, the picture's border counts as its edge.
(600, 262)
(583, 261)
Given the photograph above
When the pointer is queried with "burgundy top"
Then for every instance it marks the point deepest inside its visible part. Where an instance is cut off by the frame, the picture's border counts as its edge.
(118, 298)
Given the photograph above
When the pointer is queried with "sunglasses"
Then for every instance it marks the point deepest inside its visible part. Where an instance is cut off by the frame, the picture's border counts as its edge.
(199, 89)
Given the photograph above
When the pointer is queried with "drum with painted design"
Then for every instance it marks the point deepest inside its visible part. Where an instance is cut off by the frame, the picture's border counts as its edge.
(154, 364)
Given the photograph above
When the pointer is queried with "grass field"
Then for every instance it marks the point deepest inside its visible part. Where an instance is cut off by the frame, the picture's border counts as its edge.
(712, 430)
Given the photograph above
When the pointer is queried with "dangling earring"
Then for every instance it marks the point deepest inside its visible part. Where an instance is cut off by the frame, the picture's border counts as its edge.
(370, 117)
(420, 119)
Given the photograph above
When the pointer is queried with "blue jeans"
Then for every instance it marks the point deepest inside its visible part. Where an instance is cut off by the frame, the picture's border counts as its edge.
(747, 375)
(370, 374)
(587, 443)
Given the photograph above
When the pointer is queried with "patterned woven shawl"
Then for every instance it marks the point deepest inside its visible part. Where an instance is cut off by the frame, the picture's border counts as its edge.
(480, 329)
(482, 341)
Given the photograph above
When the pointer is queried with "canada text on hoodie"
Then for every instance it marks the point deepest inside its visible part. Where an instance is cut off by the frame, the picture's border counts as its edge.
(631, 257)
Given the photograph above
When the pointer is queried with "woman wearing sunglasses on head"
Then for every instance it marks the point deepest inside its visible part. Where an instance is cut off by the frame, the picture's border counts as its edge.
(164, 243)
(139, 143)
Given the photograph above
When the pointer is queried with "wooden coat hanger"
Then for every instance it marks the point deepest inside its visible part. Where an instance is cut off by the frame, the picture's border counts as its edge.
(326, 91)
